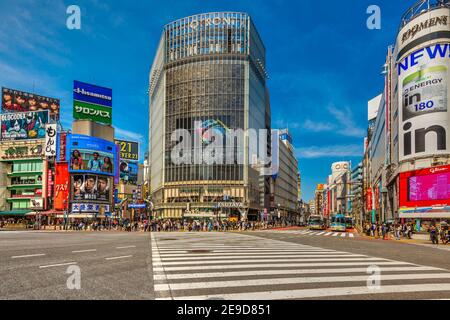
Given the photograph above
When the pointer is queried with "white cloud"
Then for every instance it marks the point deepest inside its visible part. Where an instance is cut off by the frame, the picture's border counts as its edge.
(318, 126)
(126, 134)
(350, 150)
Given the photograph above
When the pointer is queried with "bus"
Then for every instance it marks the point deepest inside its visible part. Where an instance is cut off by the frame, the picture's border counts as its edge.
(338, 223)
(316, 222)
(349, 222)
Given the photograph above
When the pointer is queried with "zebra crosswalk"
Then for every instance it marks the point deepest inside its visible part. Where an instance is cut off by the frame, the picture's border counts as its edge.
(198, 266)
(313, 233)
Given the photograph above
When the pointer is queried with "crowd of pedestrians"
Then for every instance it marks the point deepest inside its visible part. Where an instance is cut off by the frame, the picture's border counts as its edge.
(398, 231)
(161, 225)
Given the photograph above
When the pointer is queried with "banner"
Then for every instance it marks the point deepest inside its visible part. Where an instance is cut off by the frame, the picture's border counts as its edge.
(91, 102)
(50, 140)
(129, 150)
(61, 186)
(88, 208)
(19, 101)
(23, 125)
(89, 187)
(424, 94)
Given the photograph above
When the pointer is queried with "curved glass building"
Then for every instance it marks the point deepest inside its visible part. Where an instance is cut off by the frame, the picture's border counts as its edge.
(208, 72)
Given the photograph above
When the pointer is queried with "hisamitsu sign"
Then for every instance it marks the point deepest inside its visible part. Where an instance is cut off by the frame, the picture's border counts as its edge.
(91, 102)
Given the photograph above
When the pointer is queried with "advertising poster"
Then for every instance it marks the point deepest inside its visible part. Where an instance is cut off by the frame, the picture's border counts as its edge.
(19, 101)
(91, 102)
(90, 187)
(37, 203)
(90, 155)
(61, 186)
(50, 140)
(128, 172)
(23, 125)
(129, 150)
(424, 94)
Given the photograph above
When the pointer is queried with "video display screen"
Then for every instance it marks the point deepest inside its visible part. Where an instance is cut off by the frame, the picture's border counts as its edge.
(90, 187)
(429, 187)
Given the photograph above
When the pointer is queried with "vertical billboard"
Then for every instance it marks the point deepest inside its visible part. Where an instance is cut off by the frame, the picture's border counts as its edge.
(23, 125)
(90, 155)
(91, 102)
(50, 140)
(423, 55)
(19, 101)
(61, 186)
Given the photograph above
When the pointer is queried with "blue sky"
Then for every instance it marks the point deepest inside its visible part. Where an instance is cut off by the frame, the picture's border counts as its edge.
(323, 62)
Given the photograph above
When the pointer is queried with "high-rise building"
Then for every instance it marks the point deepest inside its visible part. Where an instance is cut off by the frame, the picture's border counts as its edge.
(208, 73)
(285, 183)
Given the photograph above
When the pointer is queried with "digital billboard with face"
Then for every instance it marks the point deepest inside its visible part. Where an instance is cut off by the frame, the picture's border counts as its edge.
(90, 155)
(18, 101)
(23, 125)
(91, 187)
(128, 172)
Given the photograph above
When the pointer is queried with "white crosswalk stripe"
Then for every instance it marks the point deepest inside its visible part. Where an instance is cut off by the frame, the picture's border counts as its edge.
(241, 267)
(312, 233)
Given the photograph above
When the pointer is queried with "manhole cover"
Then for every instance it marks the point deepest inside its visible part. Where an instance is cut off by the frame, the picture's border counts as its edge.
(200, 251)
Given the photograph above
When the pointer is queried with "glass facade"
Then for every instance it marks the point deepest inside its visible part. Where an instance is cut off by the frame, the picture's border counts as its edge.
(208, 72)
(201, 92)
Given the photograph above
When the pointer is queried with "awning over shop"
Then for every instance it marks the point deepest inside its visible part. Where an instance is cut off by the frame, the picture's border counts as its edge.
(425, 213)
(44, 213)
(16, 213)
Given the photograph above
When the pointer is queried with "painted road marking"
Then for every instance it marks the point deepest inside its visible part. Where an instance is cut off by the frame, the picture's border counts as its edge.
(224, 274)
(322, 292)
(28, 256)
(116, 258)
(126, 247)
(81, 251)
(57, 265)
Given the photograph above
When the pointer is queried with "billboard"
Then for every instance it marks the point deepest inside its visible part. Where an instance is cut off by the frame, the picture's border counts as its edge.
(129, 150)
(90, 155)
(91, 102)
(424, 94)
(426, 187)
(50, 140)
(128, 172)
(23, 125)
(91, 187)
(19, 101)
(61, 186)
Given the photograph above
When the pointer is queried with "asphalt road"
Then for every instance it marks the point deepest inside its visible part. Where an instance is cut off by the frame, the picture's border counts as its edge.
(237, 266)
(33, 265)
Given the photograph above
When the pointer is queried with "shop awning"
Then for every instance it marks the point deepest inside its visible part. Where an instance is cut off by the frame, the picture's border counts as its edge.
(43, 213)
(17, 213)
(425, 213)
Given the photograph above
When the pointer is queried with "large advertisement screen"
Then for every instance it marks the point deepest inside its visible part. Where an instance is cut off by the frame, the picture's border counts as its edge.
(424, 94)
(128, 172)
(91, 102)
(129, 150)
(19, 101)
(429, 187)
(91, 187)
(90, 155)
(426, 187)
(23, 125)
